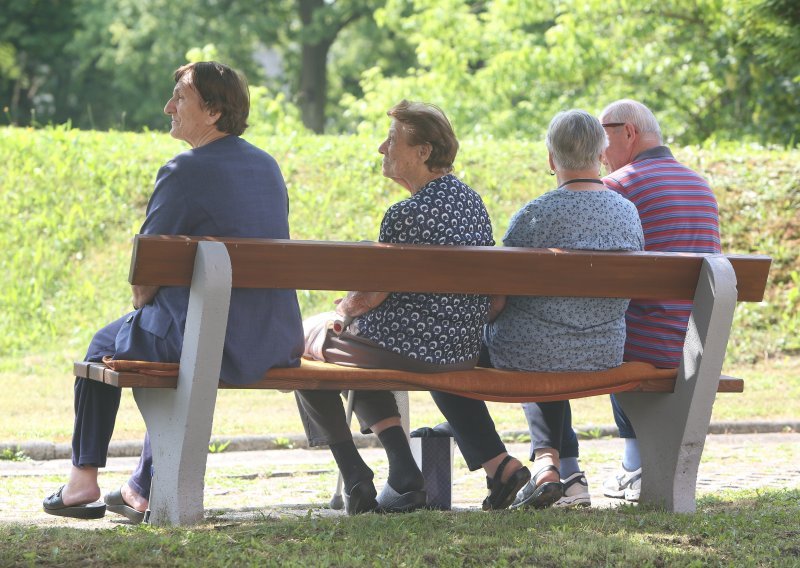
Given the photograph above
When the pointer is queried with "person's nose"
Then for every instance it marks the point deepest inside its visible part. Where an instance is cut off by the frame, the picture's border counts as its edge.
(382, 147)
(169, 108)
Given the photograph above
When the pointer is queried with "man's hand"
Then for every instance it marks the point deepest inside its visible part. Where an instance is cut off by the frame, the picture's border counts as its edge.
(143, 295)
(358, 303)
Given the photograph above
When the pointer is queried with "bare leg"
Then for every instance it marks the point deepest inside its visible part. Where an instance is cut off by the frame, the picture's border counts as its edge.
(543, 458)
(382, 425)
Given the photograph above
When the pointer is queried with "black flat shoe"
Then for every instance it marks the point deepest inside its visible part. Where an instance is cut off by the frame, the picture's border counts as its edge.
(361, 498)
(538, 496)
(501, 494)
(390, 501)
(116, 504)
(54, 505)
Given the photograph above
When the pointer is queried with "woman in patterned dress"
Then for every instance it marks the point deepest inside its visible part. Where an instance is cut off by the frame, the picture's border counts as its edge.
(407, 331)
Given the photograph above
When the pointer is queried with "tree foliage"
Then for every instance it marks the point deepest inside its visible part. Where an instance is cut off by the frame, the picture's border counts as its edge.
(710, 69)
(706, 67)
(34, 71)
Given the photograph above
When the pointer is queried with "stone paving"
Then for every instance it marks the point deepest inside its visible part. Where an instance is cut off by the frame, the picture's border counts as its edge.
(249, 485)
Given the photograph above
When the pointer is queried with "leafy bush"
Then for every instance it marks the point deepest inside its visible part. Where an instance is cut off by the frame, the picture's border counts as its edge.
(71, 200)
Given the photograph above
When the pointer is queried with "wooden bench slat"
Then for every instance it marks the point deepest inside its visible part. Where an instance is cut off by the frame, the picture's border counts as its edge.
(305, 265)
(315, 375)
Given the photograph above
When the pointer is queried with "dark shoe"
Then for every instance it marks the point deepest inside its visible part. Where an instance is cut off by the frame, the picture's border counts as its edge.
(116, 504)
(54, 505)
(443, 430)
(390, 501)
(539, 496)
(502, 494)
(576, 492)
(361, 498)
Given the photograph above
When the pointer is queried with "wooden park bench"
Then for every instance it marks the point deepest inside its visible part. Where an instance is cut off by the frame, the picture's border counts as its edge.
(670, 410)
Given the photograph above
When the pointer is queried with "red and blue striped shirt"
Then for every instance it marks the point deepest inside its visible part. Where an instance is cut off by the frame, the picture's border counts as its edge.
(679, 213)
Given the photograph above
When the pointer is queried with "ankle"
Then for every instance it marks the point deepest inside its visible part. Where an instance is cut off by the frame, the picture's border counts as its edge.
(134, 499)
(352, 467)
(404, 474)
(512, 466)
(542, 459)
(82, 486)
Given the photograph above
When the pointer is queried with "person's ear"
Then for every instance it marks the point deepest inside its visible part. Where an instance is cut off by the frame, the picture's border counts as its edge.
(212, 117)
(630, 132)
(424, 151)
(550, 161)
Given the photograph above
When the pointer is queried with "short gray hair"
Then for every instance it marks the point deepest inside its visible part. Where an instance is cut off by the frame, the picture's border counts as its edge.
(575, 139)
(633, 112)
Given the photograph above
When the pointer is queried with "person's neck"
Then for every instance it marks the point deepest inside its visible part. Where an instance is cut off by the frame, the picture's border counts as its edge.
(579, 180)
(423, 179)
(209, 137)
(644, 144)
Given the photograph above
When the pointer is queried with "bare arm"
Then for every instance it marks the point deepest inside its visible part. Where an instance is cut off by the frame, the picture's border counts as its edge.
(143, 295)
(496, 305)
(358, 303)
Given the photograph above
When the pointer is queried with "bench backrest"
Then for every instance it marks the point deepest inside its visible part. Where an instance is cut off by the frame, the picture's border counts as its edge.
(322, 265)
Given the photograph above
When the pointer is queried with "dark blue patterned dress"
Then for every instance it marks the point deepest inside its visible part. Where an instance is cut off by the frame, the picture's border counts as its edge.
(441, 329)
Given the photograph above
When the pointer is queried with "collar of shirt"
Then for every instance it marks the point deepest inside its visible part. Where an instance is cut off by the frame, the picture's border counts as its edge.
(657, 152)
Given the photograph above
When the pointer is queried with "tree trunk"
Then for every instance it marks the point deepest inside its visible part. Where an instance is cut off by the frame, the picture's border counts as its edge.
(313, 88)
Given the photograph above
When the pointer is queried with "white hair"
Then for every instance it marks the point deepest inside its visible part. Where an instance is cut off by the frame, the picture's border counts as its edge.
(635, 113)
(575, 139)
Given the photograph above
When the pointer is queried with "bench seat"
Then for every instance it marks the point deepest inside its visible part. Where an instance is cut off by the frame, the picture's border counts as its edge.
(484, 384)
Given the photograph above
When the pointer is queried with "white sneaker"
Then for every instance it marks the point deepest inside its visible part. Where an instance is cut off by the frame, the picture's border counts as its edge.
(624, 485)
(576, 492)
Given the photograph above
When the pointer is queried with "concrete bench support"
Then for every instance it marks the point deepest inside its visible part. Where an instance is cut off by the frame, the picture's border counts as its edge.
(179, 421)
(672, 428)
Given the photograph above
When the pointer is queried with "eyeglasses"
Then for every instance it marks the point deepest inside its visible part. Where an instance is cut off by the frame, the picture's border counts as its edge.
(610, 124)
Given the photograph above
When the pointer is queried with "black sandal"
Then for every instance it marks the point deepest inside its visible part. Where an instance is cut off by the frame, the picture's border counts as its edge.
(540, 496)
(501, 494)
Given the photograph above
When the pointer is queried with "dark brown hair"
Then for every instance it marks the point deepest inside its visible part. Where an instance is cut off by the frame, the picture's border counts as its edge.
(222, 90)
(426, 124)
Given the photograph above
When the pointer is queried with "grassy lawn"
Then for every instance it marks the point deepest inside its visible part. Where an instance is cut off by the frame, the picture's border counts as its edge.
(36, 403)
(731, 529)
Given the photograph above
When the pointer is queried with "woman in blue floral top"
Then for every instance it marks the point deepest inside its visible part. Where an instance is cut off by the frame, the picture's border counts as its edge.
(402, 330)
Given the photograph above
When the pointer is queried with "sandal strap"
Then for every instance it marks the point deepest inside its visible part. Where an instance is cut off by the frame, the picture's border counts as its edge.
(544, 470)
(498, 474)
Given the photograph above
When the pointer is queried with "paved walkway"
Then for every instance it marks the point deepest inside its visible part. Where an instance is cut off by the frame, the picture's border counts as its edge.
(292, 482)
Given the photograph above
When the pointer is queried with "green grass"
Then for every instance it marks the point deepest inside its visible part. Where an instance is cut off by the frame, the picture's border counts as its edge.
(71, 200)
(734, 529)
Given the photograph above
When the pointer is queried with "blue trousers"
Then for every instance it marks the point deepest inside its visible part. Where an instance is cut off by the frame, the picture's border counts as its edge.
(550, 425)
(96, 404)
(623, 424)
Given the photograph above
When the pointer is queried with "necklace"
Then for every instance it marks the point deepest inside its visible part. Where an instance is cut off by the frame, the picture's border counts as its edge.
(581, 180)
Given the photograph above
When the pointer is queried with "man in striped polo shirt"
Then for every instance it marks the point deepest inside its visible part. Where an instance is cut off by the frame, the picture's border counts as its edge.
(679, 214)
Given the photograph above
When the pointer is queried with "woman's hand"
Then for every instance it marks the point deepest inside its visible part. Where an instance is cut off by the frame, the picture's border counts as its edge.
(358, 303)
(496, 305)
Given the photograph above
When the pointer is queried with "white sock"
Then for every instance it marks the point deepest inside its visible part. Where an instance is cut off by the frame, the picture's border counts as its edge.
(631, 459)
